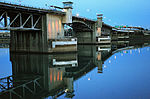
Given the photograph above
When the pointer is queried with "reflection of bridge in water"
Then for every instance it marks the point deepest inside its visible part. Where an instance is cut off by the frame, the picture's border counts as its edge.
(45, 75)
(20, 86)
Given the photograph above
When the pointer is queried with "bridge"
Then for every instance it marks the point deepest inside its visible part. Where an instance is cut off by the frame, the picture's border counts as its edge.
(42, 30)
(33, 29)
(84, 30)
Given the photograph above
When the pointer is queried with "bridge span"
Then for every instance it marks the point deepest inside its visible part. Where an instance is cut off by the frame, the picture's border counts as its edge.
(36, 30)
(42, 30)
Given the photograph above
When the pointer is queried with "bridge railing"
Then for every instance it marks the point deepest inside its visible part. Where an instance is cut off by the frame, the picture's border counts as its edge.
(19, 3)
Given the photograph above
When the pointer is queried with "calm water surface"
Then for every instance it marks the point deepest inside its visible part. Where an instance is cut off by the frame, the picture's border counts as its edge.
(125, 76)
(5, 64)
(90, 75)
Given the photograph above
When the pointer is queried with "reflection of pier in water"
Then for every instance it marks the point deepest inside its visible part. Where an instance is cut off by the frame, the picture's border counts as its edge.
(44, 75)
(50, 69)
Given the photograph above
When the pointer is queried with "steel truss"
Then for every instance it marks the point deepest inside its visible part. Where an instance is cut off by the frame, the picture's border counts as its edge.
(19, 21)
(79, 25)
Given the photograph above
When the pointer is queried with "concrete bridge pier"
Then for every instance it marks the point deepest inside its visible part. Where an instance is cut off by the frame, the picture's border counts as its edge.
(103, 31)
(94, 34)
(40, 31)
(29, 40)
(86, 36)
(99, 25)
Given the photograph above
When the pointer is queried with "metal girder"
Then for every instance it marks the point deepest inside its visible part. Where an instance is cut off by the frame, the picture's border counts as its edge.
(18, 29)
(81, 25)
(19, 21)
(11, 22)
(2, 14)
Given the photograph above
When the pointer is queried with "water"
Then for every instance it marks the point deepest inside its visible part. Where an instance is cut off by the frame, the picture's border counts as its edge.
(126, 77)
(88, 74)
(5, 64)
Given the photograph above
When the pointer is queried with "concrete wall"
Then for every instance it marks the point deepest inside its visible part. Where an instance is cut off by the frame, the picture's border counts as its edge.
(68, 17)
(55, 27)
(99, 26)
(23, 41)
(84, 37)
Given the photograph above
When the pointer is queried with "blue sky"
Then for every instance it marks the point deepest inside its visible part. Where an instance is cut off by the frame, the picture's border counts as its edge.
(116, 12)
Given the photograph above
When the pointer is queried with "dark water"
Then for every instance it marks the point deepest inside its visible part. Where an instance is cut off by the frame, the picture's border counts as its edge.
(118, 71)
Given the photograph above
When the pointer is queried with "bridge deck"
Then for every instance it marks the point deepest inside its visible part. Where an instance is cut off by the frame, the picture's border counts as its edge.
(28, 9)
(83, 19)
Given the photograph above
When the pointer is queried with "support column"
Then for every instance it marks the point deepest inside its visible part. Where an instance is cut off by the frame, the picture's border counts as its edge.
(44, 38)
(93, 35)
(99, 24)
